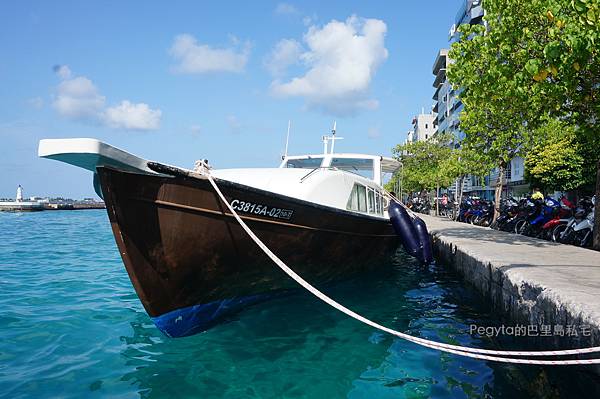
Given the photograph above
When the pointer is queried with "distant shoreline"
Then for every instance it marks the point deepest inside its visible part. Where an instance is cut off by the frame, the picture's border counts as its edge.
(27, 206)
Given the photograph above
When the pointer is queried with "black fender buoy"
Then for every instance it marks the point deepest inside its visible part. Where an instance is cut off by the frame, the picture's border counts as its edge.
(424, 239)
(404, 227)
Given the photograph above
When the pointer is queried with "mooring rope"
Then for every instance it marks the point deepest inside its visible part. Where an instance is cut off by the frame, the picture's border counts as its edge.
(483, 354)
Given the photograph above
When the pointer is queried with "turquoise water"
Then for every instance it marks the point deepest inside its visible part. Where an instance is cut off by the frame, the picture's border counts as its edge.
(71, 325)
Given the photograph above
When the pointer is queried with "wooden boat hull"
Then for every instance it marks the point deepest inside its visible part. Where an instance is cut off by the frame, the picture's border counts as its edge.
(191, 263)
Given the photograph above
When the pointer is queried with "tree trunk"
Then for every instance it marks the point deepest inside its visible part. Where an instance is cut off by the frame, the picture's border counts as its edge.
(459, 196)
(498, 192)
(597, 211)
(437, 199)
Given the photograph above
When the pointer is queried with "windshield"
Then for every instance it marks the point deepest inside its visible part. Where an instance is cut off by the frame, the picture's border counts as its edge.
(363, 167)
(307, 163)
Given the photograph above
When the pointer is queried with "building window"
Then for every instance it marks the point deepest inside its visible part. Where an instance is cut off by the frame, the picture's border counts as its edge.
(426, 126)
(507, 172)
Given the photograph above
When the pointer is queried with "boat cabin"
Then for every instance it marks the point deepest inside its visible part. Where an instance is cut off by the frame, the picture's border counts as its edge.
(370, 166)
(364, 196)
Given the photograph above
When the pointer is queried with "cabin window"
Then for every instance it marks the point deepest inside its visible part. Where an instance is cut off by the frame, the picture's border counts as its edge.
(371, 195)
(306, 163)
(363, 167)
(362, 198)
(378, 204)
(353, 200)
(358, 199)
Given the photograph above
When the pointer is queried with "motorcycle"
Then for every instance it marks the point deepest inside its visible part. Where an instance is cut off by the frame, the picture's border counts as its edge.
(509, 209)
(584, 231)
(561, 217)
(545, 211)
(528, 211)
(565, 233)
(484, 215)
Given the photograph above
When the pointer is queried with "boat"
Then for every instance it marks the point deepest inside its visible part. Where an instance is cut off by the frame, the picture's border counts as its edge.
(19, 205)
(189, 260)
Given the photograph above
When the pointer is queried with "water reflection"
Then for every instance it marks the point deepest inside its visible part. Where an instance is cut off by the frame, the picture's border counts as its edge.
(297, 347)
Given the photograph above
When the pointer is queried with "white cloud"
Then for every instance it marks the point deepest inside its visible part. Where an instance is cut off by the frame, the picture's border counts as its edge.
(286, 8)
(285, 53)
(193, 57)
(63, 71)
(79, 99)
(132, 116)
(309, 20)
(342, 59)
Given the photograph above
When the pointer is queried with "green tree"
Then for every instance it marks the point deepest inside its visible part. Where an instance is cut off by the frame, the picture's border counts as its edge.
(574, 52)
(488, 67)
(464, 162)
(422, 161)
(434, 164)
(556, 162)
(532, 60)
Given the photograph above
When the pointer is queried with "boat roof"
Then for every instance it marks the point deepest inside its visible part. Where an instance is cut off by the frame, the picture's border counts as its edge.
(388, 164)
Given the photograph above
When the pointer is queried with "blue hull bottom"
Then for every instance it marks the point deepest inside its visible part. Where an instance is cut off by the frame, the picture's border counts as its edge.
(197, 318)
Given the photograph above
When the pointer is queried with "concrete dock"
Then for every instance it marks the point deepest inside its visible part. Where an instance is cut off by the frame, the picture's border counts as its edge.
(533, 282)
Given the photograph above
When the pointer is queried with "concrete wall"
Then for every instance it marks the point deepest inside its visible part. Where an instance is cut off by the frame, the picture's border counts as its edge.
(538, 283)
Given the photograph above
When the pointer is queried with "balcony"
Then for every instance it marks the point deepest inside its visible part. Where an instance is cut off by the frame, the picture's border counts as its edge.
(436, 93)
(470, 12)
(439, 78)
(440, 61)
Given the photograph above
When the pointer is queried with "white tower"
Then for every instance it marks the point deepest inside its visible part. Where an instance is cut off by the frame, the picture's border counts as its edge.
(19, 194)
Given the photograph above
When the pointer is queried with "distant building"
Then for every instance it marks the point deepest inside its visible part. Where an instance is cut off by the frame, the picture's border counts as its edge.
(423, 126)
(446, 104)
(410, 137)
(448, 107)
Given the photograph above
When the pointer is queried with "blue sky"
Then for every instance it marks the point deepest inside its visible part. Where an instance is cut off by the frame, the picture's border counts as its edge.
(183, 81)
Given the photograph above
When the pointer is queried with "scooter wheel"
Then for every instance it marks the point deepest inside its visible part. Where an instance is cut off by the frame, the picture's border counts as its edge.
(521, 226)
(557, 231)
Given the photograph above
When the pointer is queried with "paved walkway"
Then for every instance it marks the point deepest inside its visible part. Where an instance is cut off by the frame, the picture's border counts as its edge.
(543, 281)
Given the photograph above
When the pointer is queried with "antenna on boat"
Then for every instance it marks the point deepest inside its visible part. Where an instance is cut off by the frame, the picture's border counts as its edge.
(333, 138)
(287, 139)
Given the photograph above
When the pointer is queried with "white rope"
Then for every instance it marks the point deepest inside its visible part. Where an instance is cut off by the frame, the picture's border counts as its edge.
(475, 353)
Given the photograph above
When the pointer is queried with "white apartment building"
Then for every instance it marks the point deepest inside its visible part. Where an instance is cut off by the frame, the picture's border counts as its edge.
(423, 126)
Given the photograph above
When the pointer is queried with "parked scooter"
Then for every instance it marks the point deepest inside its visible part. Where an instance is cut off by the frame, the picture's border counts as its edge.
(584, 230)
(529, 210)
(511, 211)
(561, 217)
(545, 211)
(484, 214)
(565, 233)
